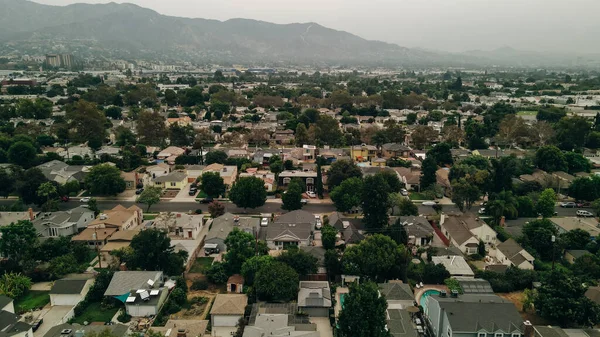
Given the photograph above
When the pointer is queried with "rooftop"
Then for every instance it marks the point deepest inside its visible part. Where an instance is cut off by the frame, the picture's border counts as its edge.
(229, 304)
(68, 286)
(456, 265)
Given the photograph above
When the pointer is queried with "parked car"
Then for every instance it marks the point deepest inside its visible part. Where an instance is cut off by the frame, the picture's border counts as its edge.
(568, 204)
(193, 191)
(304, 201)
(64, 198)
(139, 191)
(481, 210)
(36, 324)
(585, 214)
(319, 224)
(311, 194)
(429, 203)
(211, 248)
(404, 192)
(264, 222)
(86, 199)
(206, 200)
(582, 204)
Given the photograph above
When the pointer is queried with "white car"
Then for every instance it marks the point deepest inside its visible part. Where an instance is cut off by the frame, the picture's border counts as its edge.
(304, 201)
(481, 210)
(585, 214)
(311, 194)
(86, 199)
(264, 222)
(404, 192)
(429, 203)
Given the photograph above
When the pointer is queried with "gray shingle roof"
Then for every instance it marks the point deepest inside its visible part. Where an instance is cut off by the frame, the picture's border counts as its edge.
(296, 217)
(396, 291)
(68, 286)
(125, 281)
(118, 330)
(400, 324)
(176, 176)
(4, 300)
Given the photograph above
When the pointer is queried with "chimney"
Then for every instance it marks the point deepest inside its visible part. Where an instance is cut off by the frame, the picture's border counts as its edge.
(528, 330)
(123, 267)
(179, 215)
(31, 216)
(442, 218)
(181, 333)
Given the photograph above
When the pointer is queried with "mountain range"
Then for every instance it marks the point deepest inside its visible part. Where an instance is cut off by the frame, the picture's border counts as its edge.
(127, 30)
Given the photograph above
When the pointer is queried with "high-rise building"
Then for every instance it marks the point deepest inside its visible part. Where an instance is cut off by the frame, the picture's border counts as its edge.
(60, 60)
(66, 60)
(53, 60)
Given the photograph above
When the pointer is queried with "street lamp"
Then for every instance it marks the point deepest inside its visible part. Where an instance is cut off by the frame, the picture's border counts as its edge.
(553, 239)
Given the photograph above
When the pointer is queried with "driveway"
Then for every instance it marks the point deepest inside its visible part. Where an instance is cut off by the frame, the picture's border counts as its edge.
(184, 195)
(52, 316)
(323, 326)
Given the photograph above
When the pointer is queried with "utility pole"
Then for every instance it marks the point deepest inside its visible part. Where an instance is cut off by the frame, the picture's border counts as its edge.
(553, 247)
(97, 248)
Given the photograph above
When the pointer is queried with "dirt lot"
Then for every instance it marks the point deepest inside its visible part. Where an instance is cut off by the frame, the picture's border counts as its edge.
(169, 194)
(517, 299)
(197, 310)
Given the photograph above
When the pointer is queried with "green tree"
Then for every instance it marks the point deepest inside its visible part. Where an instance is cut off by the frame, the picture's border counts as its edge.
(216, 273)
(87, 123)
(377, 257)
(292, 198)
(279, 283)
(546, 203)
(392, 180)
(302, 262)
(22, 154)
(212, 184)
(348, 194)
(18, 240)
(550, 159)
(375, 203)
(481, 248)
(301, 135)
(63, 265)
(28, 183)
(537, 236)
(47, 190)
(328, 236)
(216, 209)
(340, 171)
(7, 183)
(217, 157)
(572, 132)
(364, 313)
(181, 135)
(151, 249)
(464, 194)
(576, 162)
(253, 265)
(428, 172)
(150, 196)
(407, 207)
(14, 285)
(104, 179)
(398, 233)
(240, 247)
(502, 204)
(151, 128)
(441, 153)
(248, 192)
(575, 239)
(319, 182)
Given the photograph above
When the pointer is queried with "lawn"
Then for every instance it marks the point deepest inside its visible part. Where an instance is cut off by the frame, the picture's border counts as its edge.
(149, 216)
(527, 113)
(95, 313)
(32, 300)
(201, 264)
(418, 196)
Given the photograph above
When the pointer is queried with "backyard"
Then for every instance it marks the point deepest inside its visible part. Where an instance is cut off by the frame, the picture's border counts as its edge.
(94, 312)
(32, 300)
(201, 264)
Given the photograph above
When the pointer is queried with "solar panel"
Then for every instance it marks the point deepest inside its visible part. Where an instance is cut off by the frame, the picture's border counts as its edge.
(150, 282)
(139, 291)
(154, 292)
(144, 295)
(130, 300)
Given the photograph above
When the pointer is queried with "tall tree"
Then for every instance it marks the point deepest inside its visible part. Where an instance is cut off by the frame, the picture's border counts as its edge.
(464, 194)
(292, 198)
(248, 192)
(428, 173)
(546, 203)
(150, 196)
(151, 250)
(18, 240)
(240, 247)
(364, 313)
(151, 128)
(212, 184)
(105, 179)
(375, 202)
(22, 154)
(279, 282)
(28, 183)
(301, 136)
(550, 159)
(302, 262)
(87, 123)
(340, 171)
(422, 136)
(348, 194)
(441, 153)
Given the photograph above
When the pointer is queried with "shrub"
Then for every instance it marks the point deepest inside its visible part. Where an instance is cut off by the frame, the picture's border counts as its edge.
(123, 317)
(199, 284)
(198, 211)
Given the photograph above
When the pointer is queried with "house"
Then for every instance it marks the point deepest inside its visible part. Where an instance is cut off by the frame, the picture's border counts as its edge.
(60, 172)
(81, 151)
(62, 223)
(456, 265)
(309, 178)
(7, 304)
(69, 291)
(363, 153)
(94, 238)
(395, 150)
(158, 170)
(314, 298)
(235, 284)
(466, 231)
(566, 224)
(132, 179)
(118, 240)
(12, 326)
(223, 225)
(194, 172)
(175, 180)
(400, 324)
(410, 176)
(398, 295)
(116, 330)
(572, 254)
(309, 152)
(291, 229)
(6, 218)
(419, 230)
(474, 285)
(593, 294)
(182, 327)
(266, 176)
(145, 302)
(182, 225)
(319, 254)
(473, 315)
(171, 151)
(123, 282)
(181, 121)
(226, 311)
(510, 253)
(278, 325)
(348, 231)
(228, 173)
(119, 217)
(563, 178)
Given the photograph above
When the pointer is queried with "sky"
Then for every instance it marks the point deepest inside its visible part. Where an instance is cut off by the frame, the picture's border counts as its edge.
(569, 26)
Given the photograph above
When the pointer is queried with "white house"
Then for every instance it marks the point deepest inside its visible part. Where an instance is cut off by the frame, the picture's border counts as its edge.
(466, 231)
(69, 291)
(226, 311)
(145, 302)
(6, 304)
(510, 253)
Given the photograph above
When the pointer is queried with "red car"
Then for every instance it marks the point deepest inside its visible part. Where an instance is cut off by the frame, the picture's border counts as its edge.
(64, 198)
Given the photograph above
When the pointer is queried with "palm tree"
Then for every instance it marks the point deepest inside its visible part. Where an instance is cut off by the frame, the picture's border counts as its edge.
(503, 204)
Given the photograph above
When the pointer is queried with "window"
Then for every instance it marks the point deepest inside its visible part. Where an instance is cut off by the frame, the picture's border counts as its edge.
(52, 231)
(487, 238)
(173, 184)
(481, 334)
(310, 180)
(498, 334)
(286, 181)
(449, 332)
(516, 335)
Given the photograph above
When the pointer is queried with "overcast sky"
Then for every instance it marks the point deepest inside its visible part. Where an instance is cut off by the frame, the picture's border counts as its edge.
(572, 26)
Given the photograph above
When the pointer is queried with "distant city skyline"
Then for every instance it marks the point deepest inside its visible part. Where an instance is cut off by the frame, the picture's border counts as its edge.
(456, 26)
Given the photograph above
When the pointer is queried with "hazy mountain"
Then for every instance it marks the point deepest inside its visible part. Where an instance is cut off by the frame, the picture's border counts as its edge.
(129, 30)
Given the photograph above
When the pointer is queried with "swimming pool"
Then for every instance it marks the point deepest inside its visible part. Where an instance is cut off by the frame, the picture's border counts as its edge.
(342, 299)
(426, 294)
